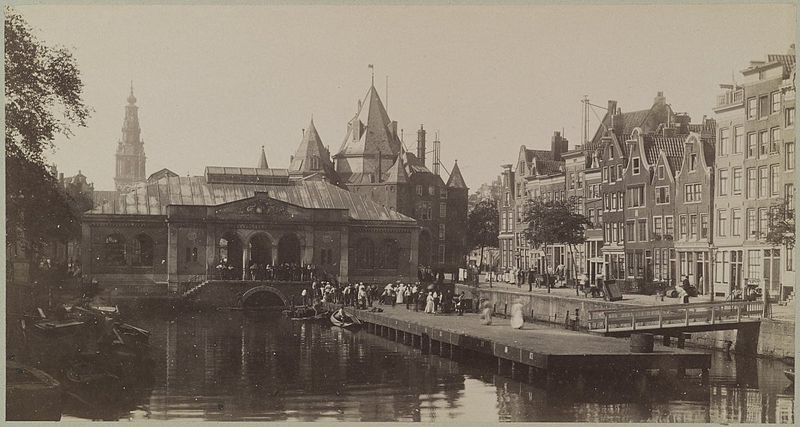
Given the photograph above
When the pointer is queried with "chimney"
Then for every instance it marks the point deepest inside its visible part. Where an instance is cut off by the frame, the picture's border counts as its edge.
(612, 107)
(421, 144)
(660, 98)
(558, 145)
(682, 123)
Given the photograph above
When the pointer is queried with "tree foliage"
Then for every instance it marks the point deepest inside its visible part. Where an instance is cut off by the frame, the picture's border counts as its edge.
(554, 221)
(483, 225)
(43, 92)
(781, 226)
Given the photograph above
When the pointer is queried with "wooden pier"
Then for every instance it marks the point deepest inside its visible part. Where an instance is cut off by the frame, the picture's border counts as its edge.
(535, 348)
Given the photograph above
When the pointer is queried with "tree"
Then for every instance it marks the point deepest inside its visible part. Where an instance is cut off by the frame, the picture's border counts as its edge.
(554, 221)
(43, 92)
(781, 226)
(483, 226)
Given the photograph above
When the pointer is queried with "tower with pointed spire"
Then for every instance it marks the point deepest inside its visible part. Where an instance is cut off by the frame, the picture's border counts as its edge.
(312, 159)
(130, 149)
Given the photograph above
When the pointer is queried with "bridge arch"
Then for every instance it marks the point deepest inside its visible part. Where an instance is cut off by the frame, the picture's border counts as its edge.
(258, 295)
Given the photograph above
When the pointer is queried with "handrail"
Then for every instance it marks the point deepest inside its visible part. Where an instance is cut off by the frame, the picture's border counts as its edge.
(677, 315)
(679, 306)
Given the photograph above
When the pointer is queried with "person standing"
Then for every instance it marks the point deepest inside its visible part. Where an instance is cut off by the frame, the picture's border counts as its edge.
(407, 296)
(429, 304)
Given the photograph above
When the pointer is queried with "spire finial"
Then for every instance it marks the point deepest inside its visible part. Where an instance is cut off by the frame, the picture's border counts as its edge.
(372, 68)
(131, 98)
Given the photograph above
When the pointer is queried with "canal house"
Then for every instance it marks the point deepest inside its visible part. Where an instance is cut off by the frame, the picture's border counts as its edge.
(176, 230)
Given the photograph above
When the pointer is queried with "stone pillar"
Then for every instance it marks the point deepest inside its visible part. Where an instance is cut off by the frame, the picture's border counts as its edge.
(172, 256)
(344, 260)
(245, 260)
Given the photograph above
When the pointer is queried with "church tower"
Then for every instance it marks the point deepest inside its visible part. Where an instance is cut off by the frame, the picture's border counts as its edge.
(130, 149)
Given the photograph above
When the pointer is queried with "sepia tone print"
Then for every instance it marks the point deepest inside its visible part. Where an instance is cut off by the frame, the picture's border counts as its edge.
(579, 213)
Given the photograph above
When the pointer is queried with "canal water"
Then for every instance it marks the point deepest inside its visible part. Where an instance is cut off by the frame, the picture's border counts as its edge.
(235, 366)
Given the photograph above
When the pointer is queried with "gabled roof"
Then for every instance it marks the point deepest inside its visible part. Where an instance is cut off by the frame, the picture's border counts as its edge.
(672, 146)
(368, 132)
(397, 173)
(262, 162)
(456, 180)
(629, 120)
(153, 198)
(160, 174)
(545, 167)
(541, 154)
(311, 146)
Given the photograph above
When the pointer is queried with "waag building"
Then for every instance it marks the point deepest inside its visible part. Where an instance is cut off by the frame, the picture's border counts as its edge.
(373, 213)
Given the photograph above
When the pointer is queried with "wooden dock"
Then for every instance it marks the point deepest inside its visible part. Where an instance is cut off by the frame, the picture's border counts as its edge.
(535, 347)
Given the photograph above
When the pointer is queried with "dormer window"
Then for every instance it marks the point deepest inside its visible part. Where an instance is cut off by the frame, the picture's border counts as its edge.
(636, 166)
(314, 162)
(660, 171)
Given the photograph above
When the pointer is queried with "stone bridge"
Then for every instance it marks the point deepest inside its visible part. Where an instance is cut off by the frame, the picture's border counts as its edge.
(243, 293)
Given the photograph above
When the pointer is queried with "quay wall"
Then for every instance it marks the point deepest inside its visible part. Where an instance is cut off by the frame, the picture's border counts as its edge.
(775, 338)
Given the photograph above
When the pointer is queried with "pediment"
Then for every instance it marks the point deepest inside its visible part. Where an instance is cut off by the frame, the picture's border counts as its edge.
(262, 207)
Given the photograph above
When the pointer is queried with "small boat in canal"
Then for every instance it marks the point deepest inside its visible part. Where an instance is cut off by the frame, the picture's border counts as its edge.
(341, 319)
(789, 374)
(31, 394)
(306, 313)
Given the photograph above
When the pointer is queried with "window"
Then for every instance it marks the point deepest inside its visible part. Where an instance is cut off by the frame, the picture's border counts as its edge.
(737, 181)
(615, 233)
(754, 264)
(431, 190)
(613, 172)
(424, 211)
(752, 108)
(629, 231)
(692, 162)
(662, 195)
(752, 183)
(789, 119)
(114, 250)
(774, 180)
(314, 162)
(752, 225)
(790, 156)
(752, 145)
(763, 221)
(738, 140)
(763, 106)
(571, 179)
(642, 231)
(614, 198)
(684, 226)
(693, 226)
(605, 174)
(443, 210)
(788, 191)
(658, 224)
(692, 193)
(774, 139)
(419, 193)
(763, 143)
(619, 172)
(365, 251)
(443, 193)
(636, 166)
(441, 231)
(723, 182)
(580, 180)
(704, 226)
(722, 222)
(660, 171)
(724, 140)
(442, 254)
(142, 250)
(669, 226)
(736, 222)
(636, 196)
(763, 182)
(590, 217)
(776, 102)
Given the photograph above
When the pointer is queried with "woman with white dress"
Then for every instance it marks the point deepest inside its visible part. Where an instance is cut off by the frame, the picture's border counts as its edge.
(401, 290)
(429, 303)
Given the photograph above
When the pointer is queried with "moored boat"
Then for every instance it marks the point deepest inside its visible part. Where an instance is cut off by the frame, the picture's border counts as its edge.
(341, 319)
(31, 395)
(789, 374)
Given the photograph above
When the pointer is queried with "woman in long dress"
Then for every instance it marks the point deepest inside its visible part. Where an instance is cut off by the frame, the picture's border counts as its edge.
(400, 291)
(429, 303)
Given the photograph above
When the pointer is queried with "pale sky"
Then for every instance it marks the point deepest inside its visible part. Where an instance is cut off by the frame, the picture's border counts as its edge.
(214, 83)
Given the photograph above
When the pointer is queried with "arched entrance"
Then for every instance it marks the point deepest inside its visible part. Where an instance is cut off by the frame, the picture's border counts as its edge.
(261, 249)
(289, 249)
(230, 249)
(424, 250)
(263, 296)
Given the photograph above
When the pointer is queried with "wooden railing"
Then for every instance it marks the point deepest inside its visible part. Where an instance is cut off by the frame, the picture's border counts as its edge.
(674, 316)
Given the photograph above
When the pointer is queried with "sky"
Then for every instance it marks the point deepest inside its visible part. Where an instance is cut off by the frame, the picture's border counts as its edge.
(215, 83)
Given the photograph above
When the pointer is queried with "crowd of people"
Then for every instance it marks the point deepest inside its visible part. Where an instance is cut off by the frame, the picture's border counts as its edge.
(414, 296)
(265, 271)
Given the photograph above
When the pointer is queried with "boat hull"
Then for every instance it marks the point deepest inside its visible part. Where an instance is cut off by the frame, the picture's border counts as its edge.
(31, 395)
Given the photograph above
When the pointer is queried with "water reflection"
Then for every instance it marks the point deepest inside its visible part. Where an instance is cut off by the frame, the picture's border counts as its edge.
(231, 366)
